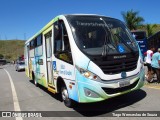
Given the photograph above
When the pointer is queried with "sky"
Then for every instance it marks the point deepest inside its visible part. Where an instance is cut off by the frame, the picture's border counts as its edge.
(21, 19)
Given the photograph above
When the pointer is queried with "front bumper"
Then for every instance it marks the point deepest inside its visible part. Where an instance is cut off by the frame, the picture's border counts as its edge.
(21, 68)
(93, 91)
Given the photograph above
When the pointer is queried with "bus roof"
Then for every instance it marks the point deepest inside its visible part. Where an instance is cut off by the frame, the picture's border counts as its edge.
(154, 35)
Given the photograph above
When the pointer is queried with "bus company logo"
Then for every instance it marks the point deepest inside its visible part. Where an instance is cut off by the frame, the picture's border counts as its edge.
(123, 74)
(141, 42)
(119, 57)
(121, 48)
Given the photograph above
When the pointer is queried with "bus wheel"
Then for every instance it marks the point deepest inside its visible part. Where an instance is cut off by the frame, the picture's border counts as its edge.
(34, 80)
(65, 97)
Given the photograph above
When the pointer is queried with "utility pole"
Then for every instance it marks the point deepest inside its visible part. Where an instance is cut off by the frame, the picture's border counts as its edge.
(17, 47)
(5, 47)
(24, 36)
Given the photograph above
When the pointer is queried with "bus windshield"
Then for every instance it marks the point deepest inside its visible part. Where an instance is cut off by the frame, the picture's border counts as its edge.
(97, 35)
(21, 63)
(139, 35)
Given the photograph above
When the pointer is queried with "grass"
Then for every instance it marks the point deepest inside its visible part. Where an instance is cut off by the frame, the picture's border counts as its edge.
(11, 49)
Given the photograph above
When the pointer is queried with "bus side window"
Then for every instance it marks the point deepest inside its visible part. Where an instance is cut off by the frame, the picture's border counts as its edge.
(57, 38)
(62, 48)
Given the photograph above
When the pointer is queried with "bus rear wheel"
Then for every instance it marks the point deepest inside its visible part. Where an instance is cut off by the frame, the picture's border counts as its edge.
(34, 80)
(65, 97)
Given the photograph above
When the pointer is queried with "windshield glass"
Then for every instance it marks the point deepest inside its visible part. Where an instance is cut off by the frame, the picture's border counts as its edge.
(96, 35)
(140, 35)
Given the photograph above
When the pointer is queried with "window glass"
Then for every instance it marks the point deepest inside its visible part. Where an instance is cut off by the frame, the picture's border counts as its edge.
(48, 44)
(32, 44)
(57, 38)
(96, 35)
(139, 35)
(39, 40)
(62, 48)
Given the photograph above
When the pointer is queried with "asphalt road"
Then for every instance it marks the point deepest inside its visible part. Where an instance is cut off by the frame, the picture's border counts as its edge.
(27, 97)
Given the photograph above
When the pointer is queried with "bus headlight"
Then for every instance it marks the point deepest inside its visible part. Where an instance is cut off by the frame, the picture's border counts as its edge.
(87, 73)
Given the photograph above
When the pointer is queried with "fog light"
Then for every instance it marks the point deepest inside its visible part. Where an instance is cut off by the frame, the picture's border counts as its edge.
(90, 93)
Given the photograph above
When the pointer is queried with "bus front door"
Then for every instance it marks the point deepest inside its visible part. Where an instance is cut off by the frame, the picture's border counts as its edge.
(48, 38)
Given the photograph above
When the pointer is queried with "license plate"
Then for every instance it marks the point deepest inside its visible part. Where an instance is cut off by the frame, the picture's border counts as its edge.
(124, 83)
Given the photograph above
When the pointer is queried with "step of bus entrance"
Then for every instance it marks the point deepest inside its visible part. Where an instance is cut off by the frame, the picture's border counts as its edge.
(51, 89)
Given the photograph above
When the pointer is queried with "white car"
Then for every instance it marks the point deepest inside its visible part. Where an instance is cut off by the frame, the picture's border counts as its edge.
(20, 66)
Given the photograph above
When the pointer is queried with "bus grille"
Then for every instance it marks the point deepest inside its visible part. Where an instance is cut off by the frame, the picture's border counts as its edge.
(118, 90)
(118, 66)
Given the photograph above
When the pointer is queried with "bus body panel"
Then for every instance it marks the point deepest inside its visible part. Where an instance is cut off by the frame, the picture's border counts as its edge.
(26, 57)
(92, 91)
(143, 45)
(65, 70)
(141, 38)
(94, 87)
(154, 41)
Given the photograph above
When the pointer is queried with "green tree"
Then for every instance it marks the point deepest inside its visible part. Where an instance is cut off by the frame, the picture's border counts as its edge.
(149, 29)
(8, 57)
(132, 19)
(1, 56)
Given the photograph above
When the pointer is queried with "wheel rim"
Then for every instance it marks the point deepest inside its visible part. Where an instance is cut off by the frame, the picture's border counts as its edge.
(64, 94)
(35, 82)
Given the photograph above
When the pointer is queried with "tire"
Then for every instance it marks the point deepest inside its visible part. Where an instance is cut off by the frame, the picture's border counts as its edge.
(65, 97)
(34, 80)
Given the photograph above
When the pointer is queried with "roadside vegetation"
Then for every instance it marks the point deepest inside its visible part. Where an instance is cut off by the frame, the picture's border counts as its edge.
(136, 22)
(11, 49)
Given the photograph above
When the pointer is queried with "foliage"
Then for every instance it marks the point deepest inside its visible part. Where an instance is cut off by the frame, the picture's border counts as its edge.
(149, 29)
(1, 56)
(132, 19)
(12, 49)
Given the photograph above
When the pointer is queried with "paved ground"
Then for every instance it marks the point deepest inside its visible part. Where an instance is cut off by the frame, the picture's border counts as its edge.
(31, 98)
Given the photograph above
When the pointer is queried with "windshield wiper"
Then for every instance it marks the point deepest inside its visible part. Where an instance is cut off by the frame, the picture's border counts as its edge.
(106, 40)
(105, 50)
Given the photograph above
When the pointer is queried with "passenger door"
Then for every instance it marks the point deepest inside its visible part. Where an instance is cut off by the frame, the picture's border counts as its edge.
(48, 38)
